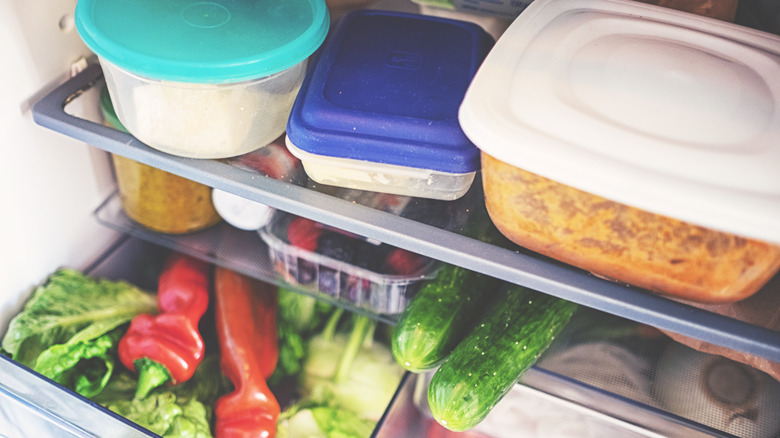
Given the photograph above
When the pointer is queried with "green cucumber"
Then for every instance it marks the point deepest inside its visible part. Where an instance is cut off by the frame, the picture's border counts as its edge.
(439, 316)
(517, 327)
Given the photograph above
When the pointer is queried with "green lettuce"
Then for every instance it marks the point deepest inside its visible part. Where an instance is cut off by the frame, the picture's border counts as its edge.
(84, 366)
(323, 422)
(166, 415)
(63, 329)
(180, 411)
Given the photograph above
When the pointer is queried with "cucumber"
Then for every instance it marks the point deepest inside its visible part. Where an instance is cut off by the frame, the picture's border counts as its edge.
(516, 329)
(439, 316)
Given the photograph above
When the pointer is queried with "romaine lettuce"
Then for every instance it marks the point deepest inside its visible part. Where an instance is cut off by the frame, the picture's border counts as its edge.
(64, 323)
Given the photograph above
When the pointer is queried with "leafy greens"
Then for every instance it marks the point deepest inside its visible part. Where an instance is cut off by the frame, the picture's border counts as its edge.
(69, 328)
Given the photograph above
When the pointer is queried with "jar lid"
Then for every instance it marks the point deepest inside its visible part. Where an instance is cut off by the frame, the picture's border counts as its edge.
(662, 110)
(240, 212)
(200, 41)
(385, 88)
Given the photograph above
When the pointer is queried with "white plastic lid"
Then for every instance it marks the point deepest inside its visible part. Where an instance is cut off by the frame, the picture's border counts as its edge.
(240, 212)
(663, 110)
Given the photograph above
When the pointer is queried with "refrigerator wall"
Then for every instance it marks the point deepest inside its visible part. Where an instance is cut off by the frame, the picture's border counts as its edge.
(49, 184)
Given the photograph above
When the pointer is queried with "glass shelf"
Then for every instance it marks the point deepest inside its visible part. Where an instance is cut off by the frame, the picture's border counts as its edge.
(448, 244)
(222, 244)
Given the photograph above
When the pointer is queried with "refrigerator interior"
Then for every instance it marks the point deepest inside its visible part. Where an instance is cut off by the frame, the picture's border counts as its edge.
(66, 212)
(53, 181)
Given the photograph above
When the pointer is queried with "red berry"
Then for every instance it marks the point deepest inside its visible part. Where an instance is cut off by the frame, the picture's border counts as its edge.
(303, 233)
(403, 262)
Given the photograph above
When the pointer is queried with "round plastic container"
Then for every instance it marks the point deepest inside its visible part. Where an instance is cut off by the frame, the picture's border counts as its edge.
(203, 79)
(156, 199)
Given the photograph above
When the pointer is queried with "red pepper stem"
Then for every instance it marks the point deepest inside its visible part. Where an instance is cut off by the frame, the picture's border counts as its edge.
(151, 374)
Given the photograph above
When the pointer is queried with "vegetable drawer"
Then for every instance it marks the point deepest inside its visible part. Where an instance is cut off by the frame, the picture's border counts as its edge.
(34, 405)
(613, 375)
(608, 377)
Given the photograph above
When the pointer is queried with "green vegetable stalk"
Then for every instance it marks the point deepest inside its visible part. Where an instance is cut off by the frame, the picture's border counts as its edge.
(347, 382)
(299, 317)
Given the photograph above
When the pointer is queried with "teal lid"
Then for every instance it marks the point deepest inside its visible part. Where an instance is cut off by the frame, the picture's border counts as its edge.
(200, 41)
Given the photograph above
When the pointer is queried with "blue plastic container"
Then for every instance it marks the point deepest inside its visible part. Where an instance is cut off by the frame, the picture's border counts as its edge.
(378, 109)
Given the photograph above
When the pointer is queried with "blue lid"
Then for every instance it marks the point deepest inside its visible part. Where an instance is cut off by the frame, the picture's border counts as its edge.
(386, 87)
(200, 41)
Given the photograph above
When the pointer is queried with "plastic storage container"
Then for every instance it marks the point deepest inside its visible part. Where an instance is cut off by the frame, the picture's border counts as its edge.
(357, 271)
(378, 109)
(506, 9)
(154, 198)
(645, 150)
(203, 79)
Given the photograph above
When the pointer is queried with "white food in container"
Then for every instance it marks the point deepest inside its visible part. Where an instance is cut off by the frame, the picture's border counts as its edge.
(199, 79)
(383, 178)
(204, 120)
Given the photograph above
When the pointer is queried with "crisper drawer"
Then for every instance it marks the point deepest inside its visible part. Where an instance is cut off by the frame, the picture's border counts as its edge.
(569, 410)
(34, 406)
(611, 378)
(606, 376)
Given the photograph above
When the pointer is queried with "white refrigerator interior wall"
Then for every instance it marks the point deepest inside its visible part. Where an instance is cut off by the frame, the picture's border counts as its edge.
(49, 183)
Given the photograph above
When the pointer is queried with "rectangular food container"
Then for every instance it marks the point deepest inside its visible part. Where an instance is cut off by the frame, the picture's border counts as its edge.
(363, 273)
(637, 142)
(201, 79)
(378, 108)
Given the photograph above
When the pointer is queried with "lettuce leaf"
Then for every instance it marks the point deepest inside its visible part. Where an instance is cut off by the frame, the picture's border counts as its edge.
(180, 411)
(72, 307)
(166, 415)
(69, 327)
(84, 366)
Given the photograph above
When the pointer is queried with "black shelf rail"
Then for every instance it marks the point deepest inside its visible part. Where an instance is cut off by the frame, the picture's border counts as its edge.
(530, 270)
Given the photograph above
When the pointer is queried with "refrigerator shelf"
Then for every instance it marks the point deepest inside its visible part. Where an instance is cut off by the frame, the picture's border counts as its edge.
(221, 244)
(511, 264)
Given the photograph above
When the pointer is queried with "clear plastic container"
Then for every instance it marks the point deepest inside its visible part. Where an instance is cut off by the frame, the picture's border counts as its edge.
(645, 151)
(204, 120)
(378, 108)
(383, 178)
(203, 79)
(154, 198)
(363, 273)
(504, 9)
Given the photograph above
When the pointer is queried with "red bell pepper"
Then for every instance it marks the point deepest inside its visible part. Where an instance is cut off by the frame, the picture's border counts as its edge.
(245, 315)
(168, 346)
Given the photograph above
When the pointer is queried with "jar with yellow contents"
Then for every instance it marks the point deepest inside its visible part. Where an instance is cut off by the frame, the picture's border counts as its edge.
(158, 200)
